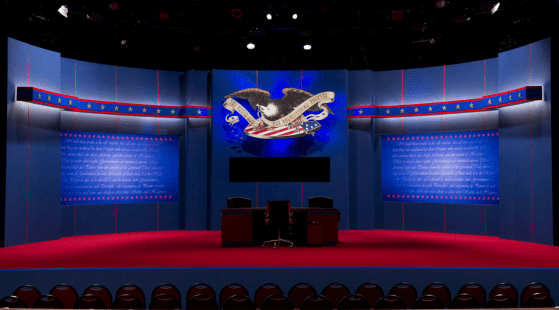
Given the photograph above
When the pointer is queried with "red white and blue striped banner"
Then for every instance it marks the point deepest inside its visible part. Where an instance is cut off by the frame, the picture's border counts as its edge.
(486, 103)
(73, 103)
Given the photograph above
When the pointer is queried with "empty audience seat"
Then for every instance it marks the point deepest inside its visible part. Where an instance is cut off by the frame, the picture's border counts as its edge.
(475, 290)
(406, 292)
(277, 302)
(128, 301)
(100, 291)
(200, 288)
(48, 302)
(299, 292)
(316, 302)
(371, 291)
(501, 301)
(66, 294)
(28, 294)
(164, 301)
(131, 289)
(464, 301)
(230, 290)
(428, 302)
(531, 289)
(202, 302)
(335, 292)
(239, 302)
(439, 290)
(89, 301)
(265, 290)
(354, 301)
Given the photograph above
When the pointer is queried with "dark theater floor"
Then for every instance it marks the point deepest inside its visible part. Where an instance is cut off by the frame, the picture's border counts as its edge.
(377, 248)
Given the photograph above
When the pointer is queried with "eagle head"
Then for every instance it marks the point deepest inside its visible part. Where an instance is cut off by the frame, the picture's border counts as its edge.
(271, 110)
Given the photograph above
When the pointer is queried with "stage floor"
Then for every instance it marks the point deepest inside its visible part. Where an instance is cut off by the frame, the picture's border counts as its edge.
(377, 248)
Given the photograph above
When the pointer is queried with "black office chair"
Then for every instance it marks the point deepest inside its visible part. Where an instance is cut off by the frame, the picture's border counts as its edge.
(278, 216)
(239, 203)
(321, 202)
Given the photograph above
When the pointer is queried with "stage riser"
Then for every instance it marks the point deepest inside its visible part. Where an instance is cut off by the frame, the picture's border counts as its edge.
(251, 278)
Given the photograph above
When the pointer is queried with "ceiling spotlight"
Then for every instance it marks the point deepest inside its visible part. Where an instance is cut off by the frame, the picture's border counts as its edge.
(251, 46)
(114, 6)
(236, 13)
(163, 15)
(307, 47)
(269, 16)
(397, 15)
(294, 16)
(495, 7)
(432, 41)
(63, 11)
(440, 4)
(123, 42)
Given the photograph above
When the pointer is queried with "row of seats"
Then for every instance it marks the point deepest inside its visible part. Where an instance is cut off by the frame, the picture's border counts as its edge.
(270, 296)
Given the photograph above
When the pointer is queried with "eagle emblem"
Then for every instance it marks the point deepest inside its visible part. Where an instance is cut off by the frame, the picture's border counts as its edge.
(281, 118)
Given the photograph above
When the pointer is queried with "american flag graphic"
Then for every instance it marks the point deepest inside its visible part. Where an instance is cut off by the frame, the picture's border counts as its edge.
(293, 130)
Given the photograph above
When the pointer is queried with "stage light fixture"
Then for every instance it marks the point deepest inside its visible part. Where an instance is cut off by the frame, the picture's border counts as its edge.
(294, 16)
(236, 13)
(114, 6)
(397, 15)
(307, 47)
(269, 16)
(123, 42)
(63, 10)
(251, 46)
(163, 15)
(440, 4)
(495, 8)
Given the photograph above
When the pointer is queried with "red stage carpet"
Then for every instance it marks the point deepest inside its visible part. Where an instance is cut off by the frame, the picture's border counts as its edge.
(378, 248)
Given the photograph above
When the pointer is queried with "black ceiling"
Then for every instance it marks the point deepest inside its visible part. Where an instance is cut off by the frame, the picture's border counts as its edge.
(344, 34)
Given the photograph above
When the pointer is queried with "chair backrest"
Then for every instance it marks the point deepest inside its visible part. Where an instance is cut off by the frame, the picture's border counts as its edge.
(504, 289)
(89, 301)
(128, 301)
(406, 292)
(131, 289)
(202, 302)
(239, 302)
(230, 290)
(539, 300)
(299, 292)
(12, 302)
(164, 301)
(354, 301)
(316, 302)
(390, 302)
(439, 290)
(100, 291)
(475, 290)
(335, 292)
(277, 302)
(200, 288)
(28, 294)
(278, 210)
(428, 302)
(531, 289)
(371, 291)
(501, 301)
(48, 302)
(238, 203)
(265, 290)
(66, 294)
(321, 202)
(464, 301)
(168, 289)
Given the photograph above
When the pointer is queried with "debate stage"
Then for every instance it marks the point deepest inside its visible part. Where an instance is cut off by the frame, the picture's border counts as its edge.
(186, 257)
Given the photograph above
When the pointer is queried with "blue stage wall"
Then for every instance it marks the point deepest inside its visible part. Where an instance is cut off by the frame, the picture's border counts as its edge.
(32, 149)
(434, 84)
(33, 212)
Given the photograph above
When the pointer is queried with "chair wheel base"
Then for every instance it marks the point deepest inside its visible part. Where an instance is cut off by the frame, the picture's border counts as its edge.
(278, 242)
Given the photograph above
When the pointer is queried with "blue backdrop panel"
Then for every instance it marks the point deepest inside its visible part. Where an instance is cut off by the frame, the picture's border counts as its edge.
(291, 191)
(456, 215)
(464, 81)
(431, 215)
(133, 217)
(196, 174)
(360, 153)
(68, 76)
(423, 85)
(100, 168)
(541, 143)
(169, 216)
(96, 81)
(31, 210)
(330, 141)
(387, 88)
(136, 85)
(98, 219)
(44, 173)
(169, 88)
(464, 166)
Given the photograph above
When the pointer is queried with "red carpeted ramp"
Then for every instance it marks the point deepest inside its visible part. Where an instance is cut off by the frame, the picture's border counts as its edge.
(377, 248)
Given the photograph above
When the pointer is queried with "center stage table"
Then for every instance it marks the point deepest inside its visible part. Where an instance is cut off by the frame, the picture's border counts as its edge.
(247, 227)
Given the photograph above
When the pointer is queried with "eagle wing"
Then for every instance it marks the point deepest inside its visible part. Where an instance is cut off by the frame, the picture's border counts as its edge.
(254, 96)
(294, 97)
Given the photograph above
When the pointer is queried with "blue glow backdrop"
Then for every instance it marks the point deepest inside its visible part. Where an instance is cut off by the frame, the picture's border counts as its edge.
(100, 168)
(458, 167)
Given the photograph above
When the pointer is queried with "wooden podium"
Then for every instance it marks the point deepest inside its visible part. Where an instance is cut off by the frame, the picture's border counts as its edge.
(247, 227)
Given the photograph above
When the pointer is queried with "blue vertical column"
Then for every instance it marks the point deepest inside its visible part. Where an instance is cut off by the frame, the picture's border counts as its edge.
(360, 152)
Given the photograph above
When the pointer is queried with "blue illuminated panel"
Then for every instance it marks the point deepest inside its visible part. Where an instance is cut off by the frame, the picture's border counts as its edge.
(458, 167)
(101, 168)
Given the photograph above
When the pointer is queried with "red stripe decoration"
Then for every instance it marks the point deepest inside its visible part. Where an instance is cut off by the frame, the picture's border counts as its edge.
(486, 103)
(73, 103)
